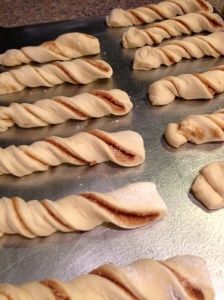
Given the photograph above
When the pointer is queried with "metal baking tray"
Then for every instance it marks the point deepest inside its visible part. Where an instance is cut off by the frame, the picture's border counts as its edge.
(188, 228)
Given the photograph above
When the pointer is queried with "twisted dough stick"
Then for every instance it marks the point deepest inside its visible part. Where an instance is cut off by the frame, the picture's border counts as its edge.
(124, 148)
(180, 277)
(149, 13)
(77, 71)
(187, 24)
(187, 86)
(129, 207)
(96, 104)
(208, 187)
(197, 129)
(65, 47)
(148, 58)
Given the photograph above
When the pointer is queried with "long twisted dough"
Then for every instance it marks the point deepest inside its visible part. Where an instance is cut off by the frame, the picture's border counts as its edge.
(187, 24)
(65, 47)
(96, 104)
(208, 187)
(149, 13)
(187, 86)
(180, 277)
(129, 207)
(77, 71)
(148, 58)
(197, 129)
(124, 148)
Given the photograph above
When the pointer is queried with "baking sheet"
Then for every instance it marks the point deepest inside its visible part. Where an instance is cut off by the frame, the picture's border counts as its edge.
(188, 228)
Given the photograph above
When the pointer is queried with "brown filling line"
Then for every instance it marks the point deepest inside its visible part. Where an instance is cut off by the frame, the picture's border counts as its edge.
(138, 19)
(188, 132)
(126, 216)
(70, 75)
(16, 209)
(65, 150)
(98, 64)
(6, 295)
(71, 107)
(52, 46)
(118, 151)
(184, 25)
(56, 216)
(110, 99)
(203, 4)
(189, 288)
(206, 83)
(213, 20)
(111, 277)
(57, 290)
(155, 9)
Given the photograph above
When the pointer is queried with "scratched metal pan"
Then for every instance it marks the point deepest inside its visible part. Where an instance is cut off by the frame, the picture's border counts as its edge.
(188, 228)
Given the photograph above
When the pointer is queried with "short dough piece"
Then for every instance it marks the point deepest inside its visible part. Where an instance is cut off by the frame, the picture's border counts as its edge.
(95, 104)
(187, 86)
(149, 13)
(187, 24)
(148, 58)
(65, 47)
(129, 207)
(125, 148)
(180, 277)
(77, 71)
(198, 129)
(208, 187)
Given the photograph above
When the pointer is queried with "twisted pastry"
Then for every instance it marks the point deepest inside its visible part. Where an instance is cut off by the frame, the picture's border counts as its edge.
(149, 13)
(180, 277)
(124, 148)
(208, 187)
(65, 47)
(198, 129)
(187, 86)
(96, 104)
(187, 24)
(129, 207)
(148, 58)
(77, 71)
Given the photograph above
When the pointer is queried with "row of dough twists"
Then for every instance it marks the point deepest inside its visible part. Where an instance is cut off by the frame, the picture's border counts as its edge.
(187, 86)
(148, 58)
(77, 71)
(187, 24)
(95, 104)
(125, 148)
(128, 207)
(65, 47)
(149, 13)
(180, 277)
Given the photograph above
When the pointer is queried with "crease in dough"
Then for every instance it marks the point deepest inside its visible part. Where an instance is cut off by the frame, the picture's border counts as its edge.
(149, 13)
(197, 129)
(65, 47)
(187, 86)
(173, 52)
(180, 277)
(95, 104)
(208, 186)
(129, 207)
(182, 25)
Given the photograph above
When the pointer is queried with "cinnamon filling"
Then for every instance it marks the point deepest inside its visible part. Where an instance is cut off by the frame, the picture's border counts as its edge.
(16, 209)
(55, 215)
(118, 151)
(124, 216)
(110, 99)
(155, 10)
(70, 75)
(206, 83)
(71, 107)
(98, 64)
(215, 22)
(111, 277)
(58, 291)
(52, 46)
(189, 288)
(203, 4)
(6, 295)
(66, 151)
(195, 132)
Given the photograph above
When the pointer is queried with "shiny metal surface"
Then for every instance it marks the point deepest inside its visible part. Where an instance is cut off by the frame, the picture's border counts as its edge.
(188, 229)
